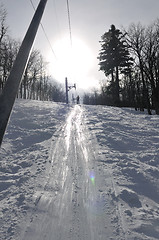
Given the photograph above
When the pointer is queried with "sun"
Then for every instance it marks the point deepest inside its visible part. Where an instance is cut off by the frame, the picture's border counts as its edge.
(73, 61)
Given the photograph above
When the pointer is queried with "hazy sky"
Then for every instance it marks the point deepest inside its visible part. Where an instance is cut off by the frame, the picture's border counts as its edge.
(89, 20)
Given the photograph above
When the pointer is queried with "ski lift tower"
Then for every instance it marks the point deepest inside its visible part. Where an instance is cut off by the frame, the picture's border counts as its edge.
(68, 88)
(8, 96)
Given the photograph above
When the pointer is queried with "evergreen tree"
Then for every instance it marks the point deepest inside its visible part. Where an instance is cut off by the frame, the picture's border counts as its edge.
(114, 58)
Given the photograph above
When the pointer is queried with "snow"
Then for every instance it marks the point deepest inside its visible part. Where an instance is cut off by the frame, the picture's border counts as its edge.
(79, 172)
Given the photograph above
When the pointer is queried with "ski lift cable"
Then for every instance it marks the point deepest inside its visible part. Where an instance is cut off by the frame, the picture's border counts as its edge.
(45, 33)
(57, 19)
(70, 30)
(69, 21)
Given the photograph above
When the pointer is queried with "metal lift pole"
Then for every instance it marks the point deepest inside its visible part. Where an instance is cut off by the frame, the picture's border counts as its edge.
(66, 86)
(8, 96)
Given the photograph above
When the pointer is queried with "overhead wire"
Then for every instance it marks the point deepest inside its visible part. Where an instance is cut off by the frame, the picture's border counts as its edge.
(56, 18)
(69, 20)
(45, 33)
(70, 29)
(69, 25)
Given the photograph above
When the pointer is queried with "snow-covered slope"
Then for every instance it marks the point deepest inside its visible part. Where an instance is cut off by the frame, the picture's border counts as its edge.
(129, 151)
(79, 172)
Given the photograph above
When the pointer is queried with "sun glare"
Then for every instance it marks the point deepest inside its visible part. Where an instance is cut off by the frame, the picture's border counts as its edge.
(72, 61)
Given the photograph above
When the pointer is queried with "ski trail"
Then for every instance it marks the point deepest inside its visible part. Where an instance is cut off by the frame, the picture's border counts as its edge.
(72, 205)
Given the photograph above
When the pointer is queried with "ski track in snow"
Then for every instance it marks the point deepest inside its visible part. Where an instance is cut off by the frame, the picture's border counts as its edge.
(72, 205)
(79, 172)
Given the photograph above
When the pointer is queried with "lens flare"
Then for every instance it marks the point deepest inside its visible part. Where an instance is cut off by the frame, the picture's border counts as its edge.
(97, 201)
(92, 177)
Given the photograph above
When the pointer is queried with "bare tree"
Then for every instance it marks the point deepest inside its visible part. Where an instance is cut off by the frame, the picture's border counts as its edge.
(137, 38)
(152, 62)
(3, 34)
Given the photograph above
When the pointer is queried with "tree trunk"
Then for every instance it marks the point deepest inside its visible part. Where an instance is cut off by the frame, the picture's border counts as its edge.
(146, 101)
(117, 97)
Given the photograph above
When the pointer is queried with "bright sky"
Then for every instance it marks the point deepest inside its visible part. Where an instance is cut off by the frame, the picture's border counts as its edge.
(89, 20)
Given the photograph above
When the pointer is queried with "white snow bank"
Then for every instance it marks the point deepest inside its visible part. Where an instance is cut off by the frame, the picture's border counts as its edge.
(129, 151)
(24, 156)
(127, 162)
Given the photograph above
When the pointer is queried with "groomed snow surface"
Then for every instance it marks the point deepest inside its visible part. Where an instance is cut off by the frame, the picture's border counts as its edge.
(79, 173)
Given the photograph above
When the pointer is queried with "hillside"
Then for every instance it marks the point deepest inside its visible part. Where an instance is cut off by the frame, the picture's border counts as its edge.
(79, 172)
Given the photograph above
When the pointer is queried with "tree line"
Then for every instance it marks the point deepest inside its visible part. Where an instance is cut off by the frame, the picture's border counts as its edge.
(129, 59)
(36, 84)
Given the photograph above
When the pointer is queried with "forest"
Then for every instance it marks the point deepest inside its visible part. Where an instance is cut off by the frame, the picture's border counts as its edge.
(36, 84)
(129, 59)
